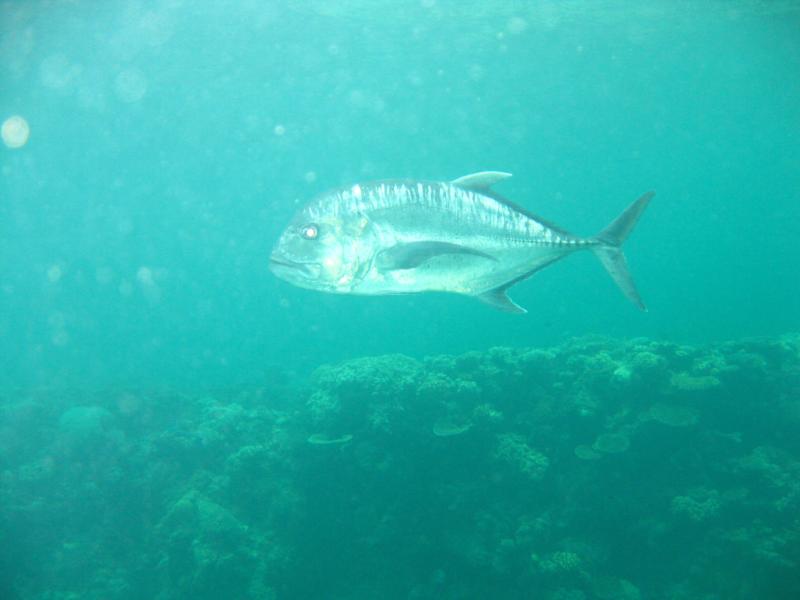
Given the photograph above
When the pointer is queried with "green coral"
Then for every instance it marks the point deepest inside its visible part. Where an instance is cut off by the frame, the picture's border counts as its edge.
(86, 428)
(567, 594)
(206, 548)
(673, 415)
(367, 393)
(446, 428)
(487, 413)
(438, 387)
(321, 439)
(585, 452)
(241, 493)
(686, 382)
(611, 443)
(370, 377)
(698, 505)
(559, 562)
(646, 361)
(513, 449)
(614, 588)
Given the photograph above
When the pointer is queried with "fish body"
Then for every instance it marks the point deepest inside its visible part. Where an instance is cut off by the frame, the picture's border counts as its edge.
(390, 237)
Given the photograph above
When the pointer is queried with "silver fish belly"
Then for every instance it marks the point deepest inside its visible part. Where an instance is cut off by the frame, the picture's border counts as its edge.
(390, 237)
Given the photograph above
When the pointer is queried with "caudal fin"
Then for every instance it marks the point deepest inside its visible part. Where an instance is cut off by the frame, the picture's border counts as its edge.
(609, 248)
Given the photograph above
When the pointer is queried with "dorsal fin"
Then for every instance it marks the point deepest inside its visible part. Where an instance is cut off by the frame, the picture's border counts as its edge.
(480, 182)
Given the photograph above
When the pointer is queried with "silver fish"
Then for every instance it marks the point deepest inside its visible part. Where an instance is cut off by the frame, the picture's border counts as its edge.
(394, 237)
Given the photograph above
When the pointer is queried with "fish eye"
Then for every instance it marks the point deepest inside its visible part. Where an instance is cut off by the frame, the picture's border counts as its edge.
(310, 231)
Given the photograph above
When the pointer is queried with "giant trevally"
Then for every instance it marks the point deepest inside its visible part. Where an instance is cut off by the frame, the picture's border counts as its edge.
(395, 237)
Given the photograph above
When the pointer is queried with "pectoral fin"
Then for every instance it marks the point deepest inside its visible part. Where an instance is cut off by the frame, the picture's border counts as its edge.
(413, 254)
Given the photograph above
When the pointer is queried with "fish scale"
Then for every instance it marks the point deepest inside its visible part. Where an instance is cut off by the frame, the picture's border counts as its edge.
(445, 197)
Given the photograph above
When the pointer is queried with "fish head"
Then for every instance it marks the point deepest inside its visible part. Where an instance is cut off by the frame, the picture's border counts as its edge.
(321, 252)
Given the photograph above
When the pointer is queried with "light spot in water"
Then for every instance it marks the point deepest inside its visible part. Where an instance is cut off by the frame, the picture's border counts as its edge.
(516, 25)
(146, 278)
(476, 72)
(128, 404)
(125, 288)
(60, 338)
(56, 72)
(15, 132)
(310, 177)
(56, 320)
(279, 130)
(156, 28)
(124, 226)
(356, 98)
(130, 85)
(144, 275)
(415, 79)
(103, 275)
(54, 274)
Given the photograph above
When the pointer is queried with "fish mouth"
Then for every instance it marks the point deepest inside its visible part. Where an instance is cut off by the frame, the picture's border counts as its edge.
(278, 264)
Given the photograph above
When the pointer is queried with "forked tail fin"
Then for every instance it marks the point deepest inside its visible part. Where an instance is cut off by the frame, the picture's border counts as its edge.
(609, 248)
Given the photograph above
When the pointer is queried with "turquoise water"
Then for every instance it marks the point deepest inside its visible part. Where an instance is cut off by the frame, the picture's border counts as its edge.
(143, 339)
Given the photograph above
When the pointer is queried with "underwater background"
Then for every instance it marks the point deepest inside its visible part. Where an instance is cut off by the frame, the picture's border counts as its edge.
(176, 422)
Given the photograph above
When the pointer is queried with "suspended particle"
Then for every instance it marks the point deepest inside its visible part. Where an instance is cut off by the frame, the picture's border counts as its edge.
(15, 132)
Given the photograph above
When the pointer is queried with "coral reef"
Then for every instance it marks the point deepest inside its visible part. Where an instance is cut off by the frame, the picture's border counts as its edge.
(513, 449)
(596, 469)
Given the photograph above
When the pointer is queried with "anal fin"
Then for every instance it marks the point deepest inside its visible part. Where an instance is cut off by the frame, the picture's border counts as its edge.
(498, 297)
(500, 300)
